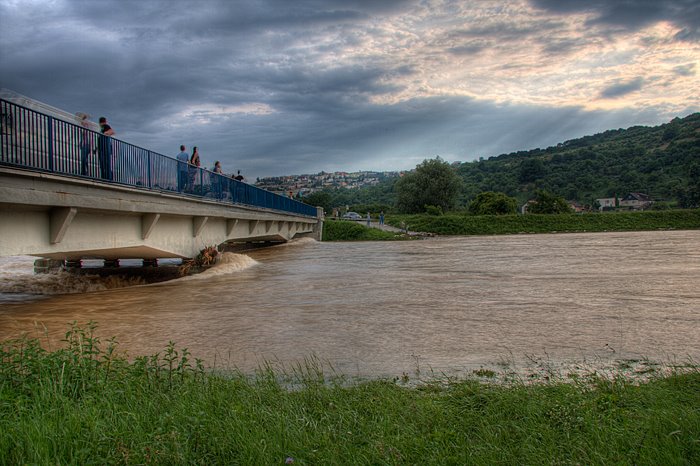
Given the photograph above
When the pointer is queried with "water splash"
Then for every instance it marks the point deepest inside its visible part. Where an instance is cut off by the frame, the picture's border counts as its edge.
(299, 242)
(17, 277)
(227, 263)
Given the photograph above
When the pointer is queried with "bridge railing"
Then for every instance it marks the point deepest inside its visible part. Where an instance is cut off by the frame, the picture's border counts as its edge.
(34, 140)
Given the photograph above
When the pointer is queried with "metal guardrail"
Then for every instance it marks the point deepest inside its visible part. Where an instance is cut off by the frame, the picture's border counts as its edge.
(31, 139)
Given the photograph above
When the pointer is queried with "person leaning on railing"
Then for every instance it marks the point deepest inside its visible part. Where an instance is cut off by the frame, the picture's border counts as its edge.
(105, 149)
(195, 163)
(216, 178)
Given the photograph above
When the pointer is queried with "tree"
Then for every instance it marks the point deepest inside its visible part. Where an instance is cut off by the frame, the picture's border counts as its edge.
(548, 203)
(319, 199)
(689, 197)
(531, 170)
(434, 182)
(491, 203)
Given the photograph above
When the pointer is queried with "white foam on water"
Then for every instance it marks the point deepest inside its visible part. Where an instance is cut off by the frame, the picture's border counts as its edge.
(17, 277)
(14, 265)
(226, 264)
(298, 242)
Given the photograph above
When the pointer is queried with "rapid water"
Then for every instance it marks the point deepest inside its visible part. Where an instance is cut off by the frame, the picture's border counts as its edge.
(447, 304)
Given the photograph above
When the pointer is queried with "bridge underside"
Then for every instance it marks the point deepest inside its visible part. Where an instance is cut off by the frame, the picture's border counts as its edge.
(47, 216)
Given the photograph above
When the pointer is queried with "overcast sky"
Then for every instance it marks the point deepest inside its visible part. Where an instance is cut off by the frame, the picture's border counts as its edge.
(288, 87)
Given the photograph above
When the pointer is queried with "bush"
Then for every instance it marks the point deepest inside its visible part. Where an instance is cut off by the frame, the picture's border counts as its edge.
(433, 210)
(491, 203)
(344, 230)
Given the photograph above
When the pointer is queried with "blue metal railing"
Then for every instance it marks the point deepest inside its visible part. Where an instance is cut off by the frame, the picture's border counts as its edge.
(34, 140)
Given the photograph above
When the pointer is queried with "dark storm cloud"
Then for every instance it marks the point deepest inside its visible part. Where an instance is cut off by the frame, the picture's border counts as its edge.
(470, 48)
(562, 45)
(620, 89)
(214, 17)
(547, 33)
(685, 70)
(266, 86)
(633, 14)
(499, 33)
(204, 56)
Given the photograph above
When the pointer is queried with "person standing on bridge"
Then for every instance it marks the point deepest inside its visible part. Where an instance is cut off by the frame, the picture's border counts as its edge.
(195, 163)
(217, 179)
(105, 149)
(85, 142)
(238, 190)
(182, 159)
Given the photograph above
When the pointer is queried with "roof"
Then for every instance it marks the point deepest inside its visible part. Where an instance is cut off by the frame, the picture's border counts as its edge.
(638, 197)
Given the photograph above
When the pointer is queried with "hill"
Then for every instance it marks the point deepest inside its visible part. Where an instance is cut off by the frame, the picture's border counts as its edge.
(662, 161)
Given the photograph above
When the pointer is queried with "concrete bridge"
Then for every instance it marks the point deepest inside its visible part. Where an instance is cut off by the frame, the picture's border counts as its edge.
(61, 218)
(54, 204)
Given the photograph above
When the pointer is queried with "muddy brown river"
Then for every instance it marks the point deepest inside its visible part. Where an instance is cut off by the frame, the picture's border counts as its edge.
(447, 304)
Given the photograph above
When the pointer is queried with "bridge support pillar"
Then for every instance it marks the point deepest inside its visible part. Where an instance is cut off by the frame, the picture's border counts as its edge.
(198, 225)
(48, 265)
(148, 222)
(230, 225)
(150, 263)
(318, 228)
(61, 218)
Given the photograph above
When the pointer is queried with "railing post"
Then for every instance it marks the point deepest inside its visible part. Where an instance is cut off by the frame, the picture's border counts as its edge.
(148, 169)
(49, 132)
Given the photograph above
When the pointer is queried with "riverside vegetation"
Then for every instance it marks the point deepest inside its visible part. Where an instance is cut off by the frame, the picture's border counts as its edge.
(87, 404)
(461, 224)
(346, 230)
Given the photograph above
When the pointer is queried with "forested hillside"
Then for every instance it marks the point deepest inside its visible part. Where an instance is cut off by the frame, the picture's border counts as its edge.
(662, 161)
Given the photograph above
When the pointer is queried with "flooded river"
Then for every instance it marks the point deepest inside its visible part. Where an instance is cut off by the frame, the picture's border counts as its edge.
(447, 304)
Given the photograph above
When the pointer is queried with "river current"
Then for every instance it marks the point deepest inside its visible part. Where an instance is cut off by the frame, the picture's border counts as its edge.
(446, 304)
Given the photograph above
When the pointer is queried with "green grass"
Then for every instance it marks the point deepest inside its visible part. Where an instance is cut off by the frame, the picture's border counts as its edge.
(87, 405)
(345, 230)
(460, 224)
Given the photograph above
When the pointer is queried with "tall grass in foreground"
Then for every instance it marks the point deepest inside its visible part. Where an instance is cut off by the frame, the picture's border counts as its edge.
(86, 405)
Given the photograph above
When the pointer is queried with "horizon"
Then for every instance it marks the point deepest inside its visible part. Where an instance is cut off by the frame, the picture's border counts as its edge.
(272, 88)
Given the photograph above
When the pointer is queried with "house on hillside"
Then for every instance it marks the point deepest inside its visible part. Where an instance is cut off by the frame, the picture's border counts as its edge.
(576, 207)
(608, 203)
(525, 207)
(636, 201)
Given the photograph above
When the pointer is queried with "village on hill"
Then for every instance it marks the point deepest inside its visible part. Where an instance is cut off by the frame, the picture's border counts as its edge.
(303, 185)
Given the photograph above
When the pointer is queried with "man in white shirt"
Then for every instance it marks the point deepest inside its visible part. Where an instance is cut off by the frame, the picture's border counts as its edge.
(182, 159)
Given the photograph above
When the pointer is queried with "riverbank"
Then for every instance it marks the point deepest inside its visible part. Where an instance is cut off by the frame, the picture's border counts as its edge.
(460, 224)
(347, 230)
(86, 403)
